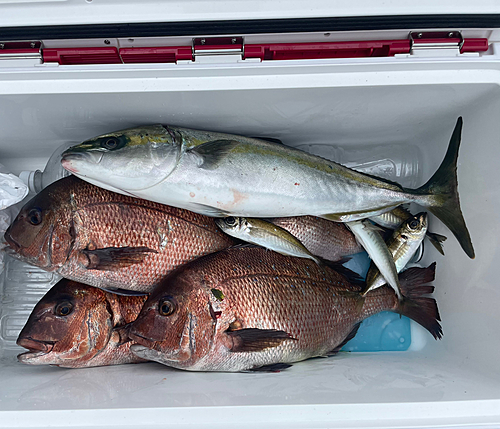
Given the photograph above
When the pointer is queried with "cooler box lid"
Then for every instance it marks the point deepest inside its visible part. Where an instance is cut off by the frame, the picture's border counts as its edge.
(20, 13)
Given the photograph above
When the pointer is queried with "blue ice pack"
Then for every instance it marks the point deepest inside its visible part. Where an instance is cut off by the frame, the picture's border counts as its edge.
(384, 331)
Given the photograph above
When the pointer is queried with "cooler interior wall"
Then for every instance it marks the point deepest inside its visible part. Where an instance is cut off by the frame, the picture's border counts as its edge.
(417, 116)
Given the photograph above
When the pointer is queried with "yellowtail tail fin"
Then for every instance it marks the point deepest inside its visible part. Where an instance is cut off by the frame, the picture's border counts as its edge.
(443, 185)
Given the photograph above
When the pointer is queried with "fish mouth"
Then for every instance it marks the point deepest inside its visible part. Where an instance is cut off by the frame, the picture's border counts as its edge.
(33, 260)
(144, 352)
(141, 340)
(137, 348)
(422, 218)
(70, 160)
(11, 251)
(12, 244)
(14, 251)
(36, 349)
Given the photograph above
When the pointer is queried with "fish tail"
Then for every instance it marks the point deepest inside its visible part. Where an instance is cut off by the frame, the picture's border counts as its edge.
(437, 241)
(415, 305)
(443, 189)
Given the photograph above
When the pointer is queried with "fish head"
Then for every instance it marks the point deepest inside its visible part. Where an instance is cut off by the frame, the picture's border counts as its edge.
(72, 322)
(176, 323)
(42, 232)
(132, 159)
(415, 227)
(231, 225)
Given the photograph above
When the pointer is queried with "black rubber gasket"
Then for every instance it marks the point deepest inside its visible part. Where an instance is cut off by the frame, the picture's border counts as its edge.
(241, 27)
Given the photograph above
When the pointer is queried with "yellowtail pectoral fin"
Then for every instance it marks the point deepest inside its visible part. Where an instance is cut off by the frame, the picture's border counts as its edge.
(211, 153)
(208, 210)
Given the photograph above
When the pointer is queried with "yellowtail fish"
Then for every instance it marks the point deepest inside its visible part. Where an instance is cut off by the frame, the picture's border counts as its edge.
(221, 175)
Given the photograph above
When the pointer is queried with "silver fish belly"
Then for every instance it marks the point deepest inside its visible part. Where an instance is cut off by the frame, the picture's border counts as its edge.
(376, 248)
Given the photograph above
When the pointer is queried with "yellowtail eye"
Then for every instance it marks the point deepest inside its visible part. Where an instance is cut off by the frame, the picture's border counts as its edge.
(110, 143)
(64, 308)
(166, 307)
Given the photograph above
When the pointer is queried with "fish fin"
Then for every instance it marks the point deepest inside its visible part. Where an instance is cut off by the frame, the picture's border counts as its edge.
(416, 276)
(268, 139)
(338, 266)
(349, 337)
(334, 217)
(443, 185)
(372, 227)
(309, 255)
(274, 367)
(243, 245)
(357, 214)
(256, 340)
(207, 210)
(115, 258)
(384, 231)
(211, 153)
(353, 294)
(415, 305)
(122, 292)
(436, 240)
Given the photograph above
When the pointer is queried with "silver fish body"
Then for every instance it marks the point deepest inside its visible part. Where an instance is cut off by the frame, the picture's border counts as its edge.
(402, 245)
(265, 234)
(226, 175)
(368, 235)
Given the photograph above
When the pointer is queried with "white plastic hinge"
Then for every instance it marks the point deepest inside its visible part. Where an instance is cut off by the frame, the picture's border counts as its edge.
(20, 53)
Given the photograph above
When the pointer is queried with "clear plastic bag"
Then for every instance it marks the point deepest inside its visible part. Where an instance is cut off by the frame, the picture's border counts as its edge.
(12, 188)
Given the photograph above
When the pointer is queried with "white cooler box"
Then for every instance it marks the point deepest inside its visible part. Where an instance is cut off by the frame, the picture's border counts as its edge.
(313, 82)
